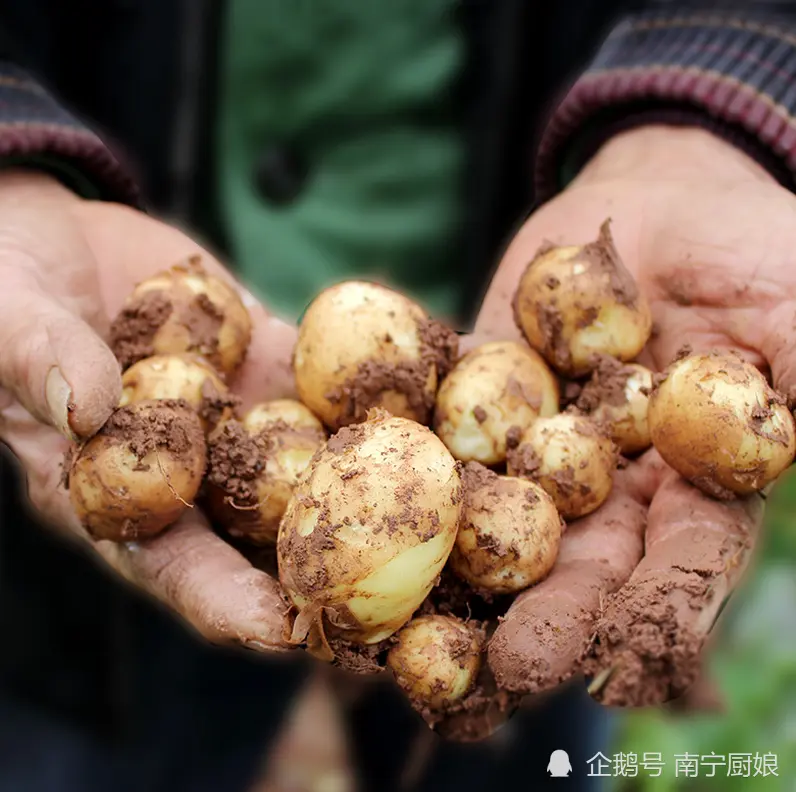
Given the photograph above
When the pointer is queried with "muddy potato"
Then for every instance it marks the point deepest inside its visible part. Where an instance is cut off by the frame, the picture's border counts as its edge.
(183, 309)
(361, 345)
(509, 534)
(140, 472)
(184, 376)
(617, 396)
(716, 421)
(435, 660)
(496, 387)
(577, 302)
(254, 465)
(367, 531)
(571, 457)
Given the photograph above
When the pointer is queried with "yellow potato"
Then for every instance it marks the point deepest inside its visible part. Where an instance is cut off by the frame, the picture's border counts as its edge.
(435, 660)
(138, 474)
(499, 386)
(719, 424)
(254, 465)
(184, 376)
(368, 529)
(617, 396)
(183, 309)
(571, 457)
(361, 345)
(577, 302)
(509, 535)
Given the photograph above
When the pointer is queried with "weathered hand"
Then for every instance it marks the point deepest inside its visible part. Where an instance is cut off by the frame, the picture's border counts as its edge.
(710, 238)
(67, 265)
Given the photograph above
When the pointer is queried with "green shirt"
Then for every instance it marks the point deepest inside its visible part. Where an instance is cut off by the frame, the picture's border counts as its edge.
(364, 91)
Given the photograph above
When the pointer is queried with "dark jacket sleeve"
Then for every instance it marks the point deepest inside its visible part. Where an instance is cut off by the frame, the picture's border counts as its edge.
(729, 67)
(37, 131)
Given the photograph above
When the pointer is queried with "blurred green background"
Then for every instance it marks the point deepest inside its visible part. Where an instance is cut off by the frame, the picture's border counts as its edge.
(753, 665)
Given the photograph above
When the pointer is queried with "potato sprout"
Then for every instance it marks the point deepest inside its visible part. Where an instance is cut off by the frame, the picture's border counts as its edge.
(617, 396)
(183, 309)
(716, 421)
(254, 465)
(435, 660)
(509, 535)
(577, 302)
(571, 457)
(187, 377)
(495, 387)
(139, 473)
(360, 346)
(367, 531)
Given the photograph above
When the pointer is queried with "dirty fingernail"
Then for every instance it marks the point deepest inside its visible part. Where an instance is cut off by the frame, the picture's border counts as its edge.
(59, 401)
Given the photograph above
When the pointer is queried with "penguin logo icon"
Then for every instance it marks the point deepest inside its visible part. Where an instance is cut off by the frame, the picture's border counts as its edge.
(559, 765)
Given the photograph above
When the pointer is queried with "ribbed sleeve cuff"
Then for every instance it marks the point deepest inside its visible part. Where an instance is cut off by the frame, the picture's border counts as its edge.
(734, 75)
(36, 131)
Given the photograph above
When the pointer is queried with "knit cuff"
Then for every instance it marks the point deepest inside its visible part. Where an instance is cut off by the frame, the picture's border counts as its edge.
(735, 76)
(35, 131)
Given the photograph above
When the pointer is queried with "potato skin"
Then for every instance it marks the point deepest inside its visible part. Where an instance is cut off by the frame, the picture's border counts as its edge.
(255, 464)
(361, 345)
(368, 529)
(183, 309)
(498, 386)
(140, 472)
(435, 660)
(716, 421)
(571, 457)
(180, 376)
(509, 535)
(576, 303)
(617, 396)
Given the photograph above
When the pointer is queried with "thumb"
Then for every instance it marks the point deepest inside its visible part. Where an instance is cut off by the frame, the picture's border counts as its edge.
(51, 360)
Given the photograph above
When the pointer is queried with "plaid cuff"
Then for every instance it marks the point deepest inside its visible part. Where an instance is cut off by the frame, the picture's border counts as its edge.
(35, 131)
(733, 75)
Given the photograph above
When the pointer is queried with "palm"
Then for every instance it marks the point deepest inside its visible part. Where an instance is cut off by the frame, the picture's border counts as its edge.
(715, 278)
(88, 264)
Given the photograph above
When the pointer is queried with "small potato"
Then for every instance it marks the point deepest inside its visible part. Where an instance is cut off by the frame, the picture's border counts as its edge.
(509, 535)
(576, 303)
(361, 345)
(435, 660)
(140, 472)
(617, 396)
(185, 376)
(498, 386)
(254, 465)
(183, 309)
(571, 457)
(716, 421)
(368, 530)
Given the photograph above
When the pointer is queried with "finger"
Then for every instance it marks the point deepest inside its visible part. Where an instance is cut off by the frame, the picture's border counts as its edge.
(188, 568)
(208, 583)
(547, 630)
(137, 246)
(52, 361)
(652, 633)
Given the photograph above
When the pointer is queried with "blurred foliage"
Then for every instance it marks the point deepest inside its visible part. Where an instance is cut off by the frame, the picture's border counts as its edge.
(753, 663)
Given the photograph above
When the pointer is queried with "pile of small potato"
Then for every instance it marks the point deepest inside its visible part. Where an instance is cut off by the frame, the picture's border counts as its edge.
(411, 492)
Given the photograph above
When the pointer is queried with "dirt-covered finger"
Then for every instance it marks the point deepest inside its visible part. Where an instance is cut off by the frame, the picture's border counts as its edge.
(652, 633)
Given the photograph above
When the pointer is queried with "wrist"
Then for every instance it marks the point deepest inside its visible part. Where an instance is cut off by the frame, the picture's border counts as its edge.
(19, 183)
(664, 153)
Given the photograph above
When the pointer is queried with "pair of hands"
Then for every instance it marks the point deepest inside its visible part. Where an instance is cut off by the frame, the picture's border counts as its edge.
(709, 236)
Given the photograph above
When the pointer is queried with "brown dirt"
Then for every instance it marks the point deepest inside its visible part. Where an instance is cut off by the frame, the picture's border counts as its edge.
(652, 630)
(607, 385)
(360, 393)
(216, 404)
(134, 328)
